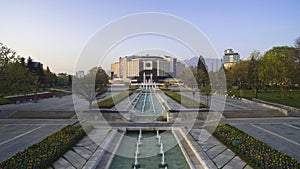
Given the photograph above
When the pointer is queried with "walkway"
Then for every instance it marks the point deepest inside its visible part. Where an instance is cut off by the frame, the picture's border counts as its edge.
(87, 152)
(220, 155)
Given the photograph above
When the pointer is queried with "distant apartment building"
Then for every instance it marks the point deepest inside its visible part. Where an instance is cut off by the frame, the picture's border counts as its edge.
(230, 58)
(158, 68)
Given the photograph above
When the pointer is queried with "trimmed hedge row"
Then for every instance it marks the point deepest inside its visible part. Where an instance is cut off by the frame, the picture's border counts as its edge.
(112, 101)
(256, 153)
(46, 152)
(184, 101)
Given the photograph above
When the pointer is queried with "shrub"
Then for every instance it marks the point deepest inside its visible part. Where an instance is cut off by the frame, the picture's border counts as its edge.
(184, 101)
(256, 153)
(110, 102)
(46, 152)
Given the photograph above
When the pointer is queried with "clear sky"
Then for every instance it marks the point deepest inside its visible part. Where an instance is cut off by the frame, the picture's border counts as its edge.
(55, 31)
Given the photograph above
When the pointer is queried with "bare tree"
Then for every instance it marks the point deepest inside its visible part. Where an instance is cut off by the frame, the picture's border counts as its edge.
(90, 86)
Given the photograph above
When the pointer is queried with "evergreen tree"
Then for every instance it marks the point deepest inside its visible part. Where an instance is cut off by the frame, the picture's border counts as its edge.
(202, 77)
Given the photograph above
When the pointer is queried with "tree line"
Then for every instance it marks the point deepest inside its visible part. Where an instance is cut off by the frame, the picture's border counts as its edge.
(279, 67)
(21, 76)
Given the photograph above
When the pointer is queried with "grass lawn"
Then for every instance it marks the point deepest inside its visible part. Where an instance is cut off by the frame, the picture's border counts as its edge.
(112, 101)
(292, 97)
(184, 101)
(4, 101)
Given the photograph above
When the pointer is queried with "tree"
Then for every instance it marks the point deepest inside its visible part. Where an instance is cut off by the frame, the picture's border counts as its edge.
(279, 66)
(202, 74)
(240, 75)
(253, 71)
(187, 75)
(91, 85)
(49, 78)
(297, 43)
(6, 55)
(15, 78)
(297, 46)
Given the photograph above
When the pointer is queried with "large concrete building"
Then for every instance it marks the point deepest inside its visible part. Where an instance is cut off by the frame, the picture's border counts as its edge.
(230, 58)
(134, 67)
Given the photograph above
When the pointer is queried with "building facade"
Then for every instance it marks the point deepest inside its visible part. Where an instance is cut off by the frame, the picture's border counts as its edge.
(134, 67)
(230, 58)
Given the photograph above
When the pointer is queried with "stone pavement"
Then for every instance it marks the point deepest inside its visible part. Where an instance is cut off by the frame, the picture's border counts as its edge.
(86, 152)
(220, 155)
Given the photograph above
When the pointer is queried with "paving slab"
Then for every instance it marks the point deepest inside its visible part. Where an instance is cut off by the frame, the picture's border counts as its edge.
(235, 163)
(85, 153)
(92, 147)
(74, 158)
(63, 163)
(223, 158)
(215, 151)
(248, 167)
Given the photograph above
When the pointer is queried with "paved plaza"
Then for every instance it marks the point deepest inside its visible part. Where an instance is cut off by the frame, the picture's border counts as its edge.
(282, 133)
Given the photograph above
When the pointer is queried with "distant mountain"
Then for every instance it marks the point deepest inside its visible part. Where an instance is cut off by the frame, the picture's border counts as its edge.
(191, 62)
(212, 64)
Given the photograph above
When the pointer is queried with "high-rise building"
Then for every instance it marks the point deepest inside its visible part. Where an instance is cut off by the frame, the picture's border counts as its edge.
(230, 58)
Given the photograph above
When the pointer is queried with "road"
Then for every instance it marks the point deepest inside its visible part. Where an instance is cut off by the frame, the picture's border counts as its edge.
(18, 134)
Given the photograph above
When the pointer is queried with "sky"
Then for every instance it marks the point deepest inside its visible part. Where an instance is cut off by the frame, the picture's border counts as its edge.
(55, 32)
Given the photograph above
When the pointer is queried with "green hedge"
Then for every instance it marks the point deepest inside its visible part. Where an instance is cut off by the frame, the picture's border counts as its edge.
(184, 101)
(256, 153)
(110, 102)
(46, 152)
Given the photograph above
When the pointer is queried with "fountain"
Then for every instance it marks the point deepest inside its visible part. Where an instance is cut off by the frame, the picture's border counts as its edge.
(161, 149)
(159, 141)
(140, 134)
(137, 148)
(136, 164)
(147, 155)
(157, 134)
(163, 164)
(139, 140)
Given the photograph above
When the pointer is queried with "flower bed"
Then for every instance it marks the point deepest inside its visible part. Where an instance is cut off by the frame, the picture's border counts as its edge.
(46, 152)
(256, 153)
(112, 101)
(184, 101)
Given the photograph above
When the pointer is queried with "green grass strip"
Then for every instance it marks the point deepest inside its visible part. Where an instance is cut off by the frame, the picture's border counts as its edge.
(184, 101)
(256, 153)
(5, 101)
(46, 152)
(292, 97)
(112, 101)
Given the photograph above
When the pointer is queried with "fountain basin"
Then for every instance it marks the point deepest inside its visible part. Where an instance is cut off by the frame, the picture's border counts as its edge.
(149, 153)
